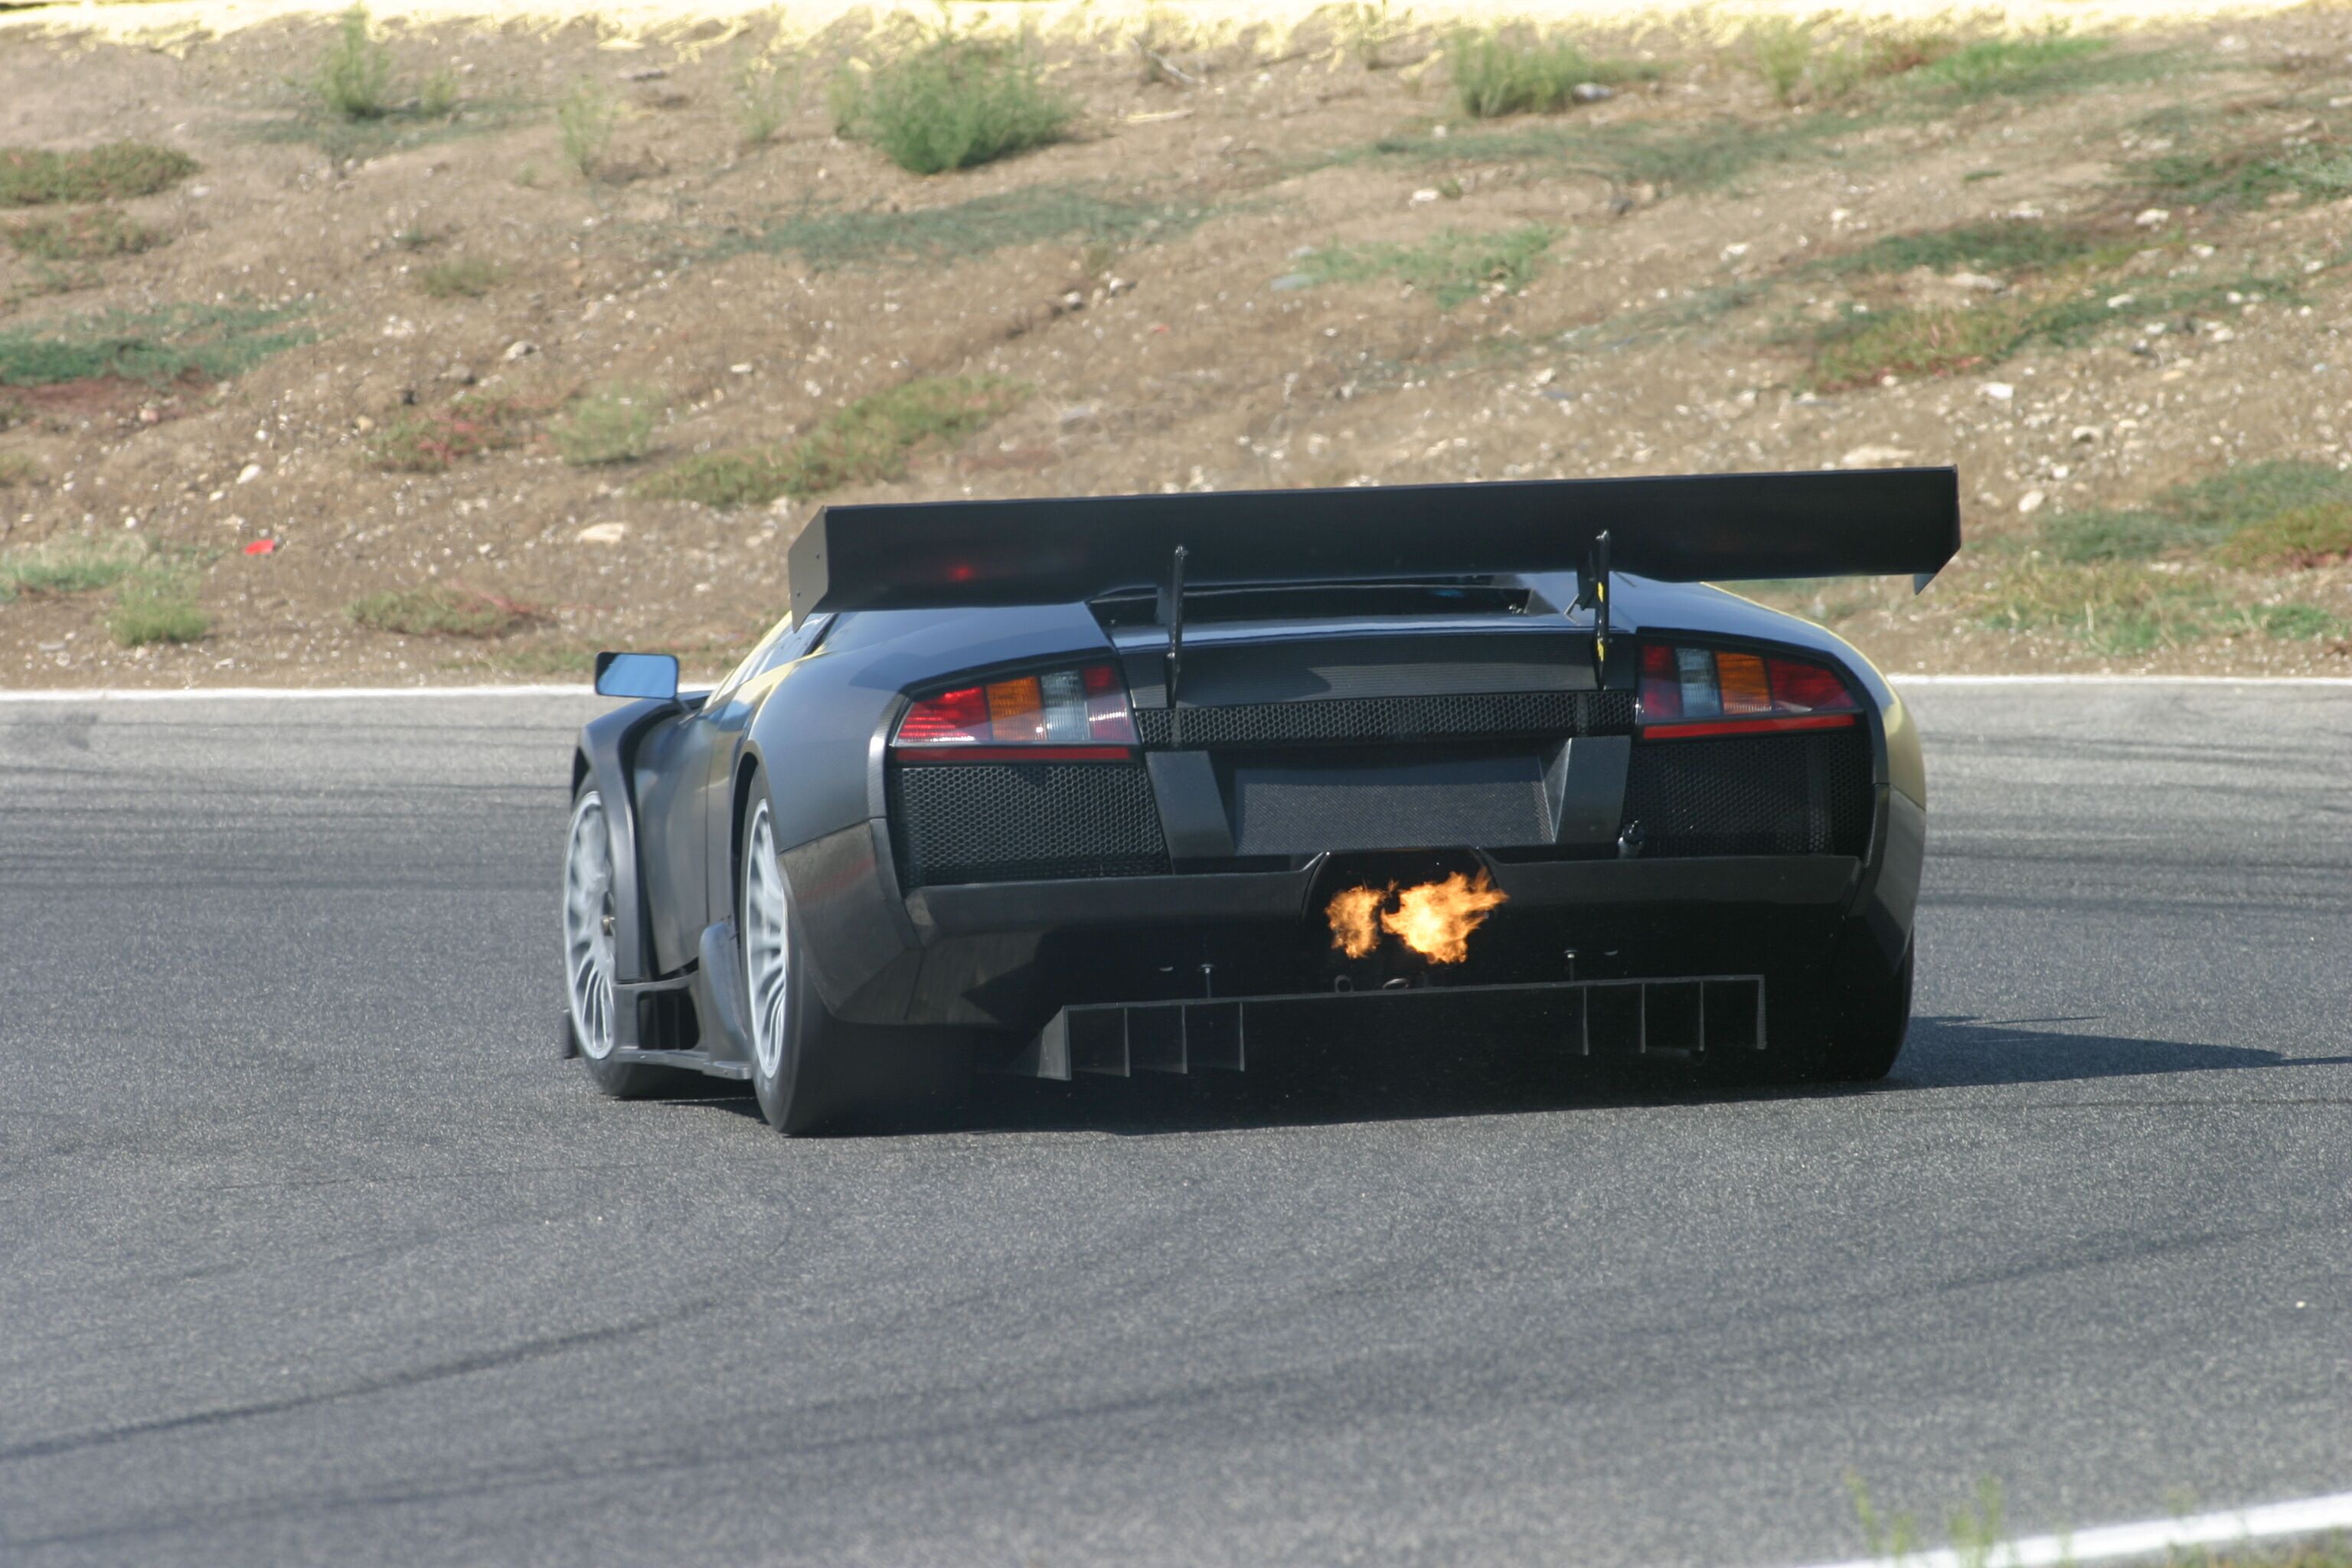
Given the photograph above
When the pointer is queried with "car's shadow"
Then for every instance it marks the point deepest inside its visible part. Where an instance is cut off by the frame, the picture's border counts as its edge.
(1409, 1078)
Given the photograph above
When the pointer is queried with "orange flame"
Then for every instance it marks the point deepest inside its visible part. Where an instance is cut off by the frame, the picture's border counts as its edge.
(1433, 918)
(1355, 917)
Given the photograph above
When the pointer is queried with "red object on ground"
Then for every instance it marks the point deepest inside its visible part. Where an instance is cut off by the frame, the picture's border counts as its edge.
(262, 547)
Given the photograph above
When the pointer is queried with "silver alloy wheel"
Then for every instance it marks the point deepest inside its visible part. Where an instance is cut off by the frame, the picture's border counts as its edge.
(767, 945)
(588, 927)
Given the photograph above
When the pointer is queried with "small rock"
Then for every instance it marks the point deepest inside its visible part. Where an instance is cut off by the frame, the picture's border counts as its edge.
(247, 474)
(1073, 300)
(1591, 92)
(1999, 391)
(2030, 501)
(1874, 457)
(1117, 285)
(2085, 435)
(397, 327)
(1976, 282)
(520, 350)
(2028, 213)
(2117, 302)
(1290, 280)
(462, 375)
(362, 424)
(603, 533)
(1734, 252)
(1422, 198)
(1082, 414)
(151, 415)
(644, 73)
(2154, 217)
(743, 369)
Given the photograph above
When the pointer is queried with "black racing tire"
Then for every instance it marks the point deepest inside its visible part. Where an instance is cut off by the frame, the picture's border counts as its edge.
(589, 995)
(1871, 1016)
(796, 1044)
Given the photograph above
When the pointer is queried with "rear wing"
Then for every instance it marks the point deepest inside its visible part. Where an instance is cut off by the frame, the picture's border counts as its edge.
(953, 554)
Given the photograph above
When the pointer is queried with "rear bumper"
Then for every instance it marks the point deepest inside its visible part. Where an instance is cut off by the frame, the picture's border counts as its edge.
(1040, 906)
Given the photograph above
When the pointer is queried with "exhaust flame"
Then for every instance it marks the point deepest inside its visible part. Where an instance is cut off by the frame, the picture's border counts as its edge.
(1355, 917)
(1433, 918)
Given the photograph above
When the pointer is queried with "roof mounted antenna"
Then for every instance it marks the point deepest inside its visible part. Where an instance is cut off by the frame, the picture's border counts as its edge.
(1593, 594)
(1172, 615)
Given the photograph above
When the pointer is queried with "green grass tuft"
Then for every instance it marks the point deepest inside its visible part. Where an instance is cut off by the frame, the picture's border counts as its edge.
(869, 442)
(766, 95)
(157, 606)
(29, 177)
(611, 424)
(583, 121)
(1451, 268)
(2278, 513)
(2249, 176)
(214, 341)
(1500, 71)
(460, 277)
(88, 236)
(440, 610)
(1995, 247)
(353, 78)
(68, 565)
(1864, 346)
(1029, 215)
(953, 103)
(1701, 156)
(1990, 68)
(2299, 536)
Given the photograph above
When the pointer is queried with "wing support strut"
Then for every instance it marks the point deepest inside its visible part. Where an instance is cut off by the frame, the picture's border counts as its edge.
(1593, 594)
(1172, 615)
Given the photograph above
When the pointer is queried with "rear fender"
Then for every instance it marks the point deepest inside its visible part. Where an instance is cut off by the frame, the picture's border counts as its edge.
(606, 749)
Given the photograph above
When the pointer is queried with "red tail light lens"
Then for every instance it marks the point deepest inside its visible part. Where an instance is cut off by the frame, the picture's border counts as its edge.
(1063, 715)
(1695, 691)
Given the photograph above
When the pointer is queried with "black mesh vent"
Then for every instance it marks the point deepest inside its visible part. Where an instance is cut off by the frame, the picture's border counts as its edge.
(1017, 822)
(1753, 795)
(1356, 720)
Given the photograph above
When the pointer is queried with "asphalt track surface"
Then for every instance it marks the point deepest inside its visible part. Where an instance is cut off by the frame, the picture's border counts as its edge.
(311, 1251)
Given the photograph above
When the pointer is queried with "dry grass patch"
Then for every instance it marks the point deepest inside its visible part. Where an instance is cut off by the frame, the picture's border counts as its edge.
(92, 235)
(610, 425)
(157, 607)
(30, 177)
(1520, 71)
(69, 564)
(869, 442)
(1453, 268)
(459, 278)
(440, 439)
(209, 342)
(442, 610)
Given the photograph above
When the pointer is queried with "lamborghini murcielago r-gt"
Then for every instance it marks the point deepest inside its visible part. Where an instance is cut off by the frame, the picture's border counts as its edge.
(1135, 785)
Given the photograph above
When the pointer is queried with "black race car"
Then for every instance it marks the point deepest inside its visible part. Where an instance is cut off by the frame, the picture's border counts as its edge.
(1138, 784)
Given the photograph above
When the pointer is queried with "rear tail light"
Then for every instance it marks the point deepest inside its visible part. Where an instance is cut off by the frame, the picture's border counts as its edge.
(1692, 691)
(1064, 715)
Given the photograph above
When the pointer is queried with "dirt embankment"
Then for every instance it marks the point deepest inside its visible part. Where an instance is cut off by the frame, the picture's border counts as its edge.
(450, 393)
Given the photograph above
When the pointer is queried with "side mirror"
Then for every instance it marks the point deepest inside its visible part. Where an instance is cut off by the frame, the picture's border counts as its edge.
(651, 675)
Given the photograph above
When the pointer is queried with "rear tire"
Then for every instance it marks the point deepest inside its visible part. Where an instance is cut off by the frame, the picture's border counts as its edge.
(1872, 1017)
(792, 1036)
